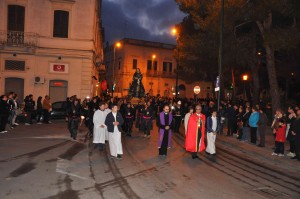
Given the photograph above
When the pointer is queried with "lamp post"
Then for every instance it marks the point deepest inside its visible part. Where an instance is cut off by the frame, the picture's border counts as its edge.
(117, 45)
(221, 51)
(245, 78)
(175, 33)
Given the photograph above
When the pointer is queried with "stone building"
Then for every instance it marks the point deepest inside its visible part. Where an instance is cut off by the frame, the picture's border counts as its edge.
(50, 47)
(157, 64)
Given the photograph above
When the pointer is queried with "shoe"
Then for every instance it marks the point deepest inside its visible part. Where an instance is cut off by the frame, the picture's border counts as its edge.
(2, 132)
(148, 136)
(27, 124)
(290, 154)
(5, 131)
(39, 123)
(260, 145)
(145, 136)
(119, 157)
(274, 153)
(281, 155)
(16, 124)
(49, 122)
(11, 127)
(195, 157)
(112, 156)
(294, 158)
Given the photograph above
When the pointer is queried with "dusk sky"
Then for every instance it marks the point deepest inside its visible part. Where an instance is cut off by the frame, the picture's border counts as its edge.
(140, 19)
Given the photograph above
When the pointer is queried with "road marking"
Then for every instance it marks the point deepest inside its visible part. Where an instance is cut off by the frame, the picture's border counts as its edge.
(63, 167)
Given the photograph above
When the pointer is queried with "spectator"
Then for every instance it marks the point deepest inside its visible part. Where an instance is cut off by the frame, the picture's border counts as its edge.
(39, 109)
(46, 109)
(29, 108)
(254, 117)
(4, 113)
(262, 126)
(279, 131)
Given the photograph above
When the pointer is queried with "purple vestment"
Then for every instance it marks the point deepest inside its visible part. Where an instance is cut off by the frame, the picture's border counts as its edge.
(161, 131)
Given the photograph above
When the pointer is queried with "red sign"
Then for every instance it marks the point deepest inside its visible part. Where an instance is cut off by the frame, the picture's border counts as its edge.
(58, 84)
(58, 68)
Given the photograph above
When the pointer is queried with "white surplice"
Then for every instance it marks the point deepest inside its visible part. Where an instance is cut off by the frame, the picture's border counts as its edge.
(115, 143)
(99, 132)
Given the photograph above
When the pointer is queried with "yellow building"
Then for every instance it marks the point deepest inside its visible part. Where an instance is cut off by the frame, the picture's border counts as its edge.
(50, 47)
(157, 64)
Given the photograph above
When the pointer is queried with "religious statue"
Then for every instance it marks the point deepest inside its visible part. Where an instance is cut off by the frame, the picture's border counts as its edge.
(136, 88)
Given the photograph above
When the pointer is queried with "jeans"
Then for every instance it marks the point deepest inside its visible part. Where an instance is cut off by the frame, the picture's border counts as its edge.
(279, 147)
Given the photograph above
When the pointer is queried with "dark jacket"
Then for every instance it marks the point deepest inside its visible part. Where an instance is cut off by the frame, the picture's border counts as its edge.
(209, 124)
(4, 108)
(110, 119)
(263, 119)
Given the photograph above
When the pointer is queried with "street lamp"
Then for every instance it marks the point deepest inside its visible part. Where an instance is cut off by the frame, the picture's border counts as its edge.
(117, 45)
(174, 32)
(221, 51)
(245, 78)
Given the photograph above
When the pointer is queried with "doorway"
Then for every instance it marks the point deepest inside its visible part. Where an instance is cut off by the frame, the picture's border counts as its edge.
(58, 90)
(16, 85)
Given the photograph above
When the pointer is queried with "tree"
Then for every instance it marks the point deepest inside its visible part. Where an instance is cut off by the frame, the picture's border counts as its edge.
(274, 20)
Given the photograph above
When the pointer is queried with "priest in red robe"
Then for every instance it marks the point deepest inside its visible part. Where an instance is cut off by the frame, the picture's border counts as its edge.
(194, 140)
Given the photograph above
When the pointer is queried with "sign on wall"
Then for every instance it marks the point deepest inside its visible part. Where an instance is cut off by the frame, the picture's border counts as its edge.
(61, 68)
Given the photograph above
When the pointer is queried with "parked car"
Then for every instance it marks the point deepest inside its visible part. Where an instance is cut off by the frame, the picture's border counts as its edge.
(58, 110)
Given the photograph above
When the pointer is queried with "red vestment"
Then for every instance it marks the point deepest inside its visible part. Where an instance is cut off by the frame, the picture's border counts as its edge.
(192, 133)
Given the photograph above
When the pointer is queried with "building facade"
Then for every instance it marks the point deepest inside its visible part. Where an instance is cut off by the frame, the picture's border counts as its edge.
(156, 62)
(50, 47)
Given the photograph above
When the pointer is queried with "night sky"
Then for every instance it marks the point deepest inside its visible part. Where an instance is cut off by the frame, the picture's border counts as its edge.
(140, 19)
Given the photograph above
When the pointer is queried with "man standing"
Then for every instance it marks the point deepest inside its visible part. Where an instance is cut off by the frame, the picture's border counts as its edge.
(262, 127)
(165, 123)
(195, 135)
(296, 132)
(177, 114)
(114, 122)
(99, 126)
(212, 129)
(147, 120)
(129, 117)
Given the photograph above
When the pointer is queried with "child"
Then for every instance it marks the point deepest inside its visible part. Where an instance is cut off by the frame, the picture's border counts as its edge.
(279, 137)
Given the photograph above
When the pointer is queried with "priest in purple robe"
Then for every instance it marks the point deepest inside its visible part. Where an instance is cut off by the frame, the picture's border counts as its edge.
(165, 125)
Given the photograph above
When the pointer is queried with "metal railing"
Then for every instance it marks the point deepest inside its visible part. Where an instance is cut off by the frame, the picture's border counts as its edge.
(18, 38)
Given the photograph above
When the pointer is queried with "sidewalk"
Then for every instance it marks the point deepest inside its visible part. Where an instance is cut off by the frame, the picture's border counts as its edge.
(261, 155)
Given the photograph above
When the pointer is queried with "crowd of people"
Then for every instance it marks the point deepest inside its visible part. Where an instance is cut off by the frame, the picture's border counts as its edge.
(107, 117)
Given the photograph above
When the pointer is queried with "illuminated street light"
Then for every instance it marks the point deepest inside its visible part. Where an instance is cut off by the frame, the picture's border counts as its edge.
(245, 77)
(175, 33)
(117, 45)
(153, 56)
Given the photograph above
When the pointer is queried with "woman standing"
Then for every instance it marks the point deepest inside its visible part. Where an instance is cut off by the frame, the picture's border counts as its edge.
(39, 110)
(279, 131)
(253, 120)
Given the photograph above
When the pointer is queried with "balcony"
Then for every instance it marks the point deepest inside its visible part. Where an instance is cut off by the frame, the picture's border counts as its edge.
(152, 73)
(18, 39)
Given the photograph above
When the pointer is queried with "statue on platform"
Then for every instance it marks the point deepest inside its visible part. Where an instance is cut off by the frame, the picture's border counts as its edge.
(136, 88)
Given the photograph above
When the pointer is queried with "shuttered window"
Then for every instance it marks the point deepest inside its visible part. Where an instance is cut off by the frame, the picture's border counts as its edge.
(61, 24)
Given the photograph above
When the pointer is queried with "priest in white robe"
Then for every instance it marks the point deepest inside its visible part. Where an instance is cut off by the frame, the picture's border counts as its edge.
(100, 129)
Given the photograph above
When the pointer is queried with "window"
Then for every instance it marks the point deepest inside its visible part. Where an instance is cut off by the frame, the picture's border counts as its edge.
(15, 18)
(134, 63)
(170, 67)
(167, 66)
(149, 64)
(61, 24)
(14, 65)
(155, 65)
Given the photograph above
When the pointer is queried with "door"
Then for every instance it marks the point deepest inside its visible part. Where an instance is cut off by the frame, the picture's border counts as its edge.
(13, 84)
(58, 90)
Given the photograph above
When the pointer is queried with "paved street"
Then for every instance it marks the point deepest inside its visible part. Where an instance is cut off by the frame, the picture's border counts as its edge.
(41, 161)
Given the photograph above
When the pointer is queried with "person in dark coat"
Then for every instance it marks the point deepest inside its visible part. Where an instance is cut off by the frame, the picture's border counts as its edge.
(74, 113)
(39, 109)
(129, 118)
(291, 117)
(114, 122)
(177, 115)
(148, 115)
(262, 127)
(139, 115)
(296, 132)
(29, 108)
(4, 113)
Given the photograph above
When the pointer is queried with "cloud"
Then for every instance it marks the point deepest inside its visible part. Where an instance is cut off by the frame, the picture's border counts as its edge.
(140, 19)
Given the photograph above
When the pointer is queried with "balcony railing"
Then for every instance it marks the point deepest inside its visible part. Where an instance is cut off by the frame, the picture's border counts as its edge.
(18, 38)
(160, 74)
